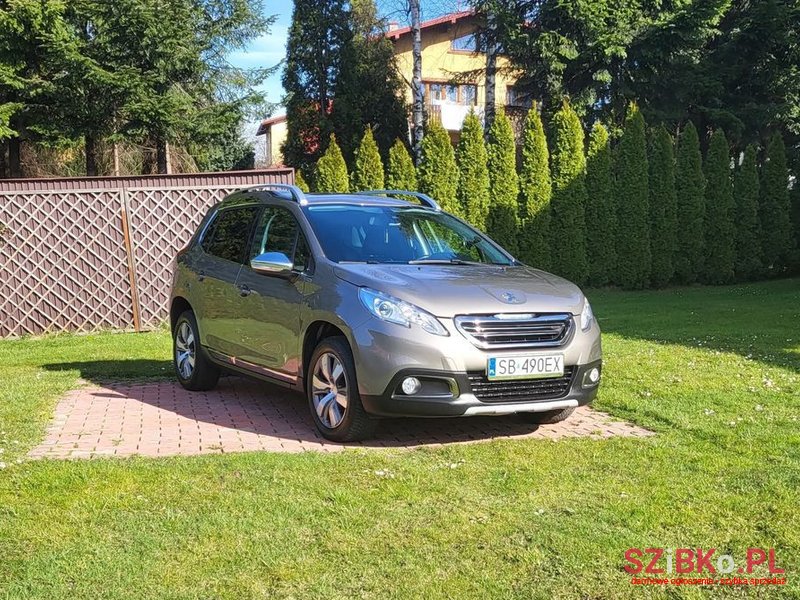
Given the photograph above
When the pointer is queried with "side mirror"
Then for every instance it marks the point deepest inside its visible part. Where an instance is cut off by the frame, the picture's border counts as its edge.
(272, 263)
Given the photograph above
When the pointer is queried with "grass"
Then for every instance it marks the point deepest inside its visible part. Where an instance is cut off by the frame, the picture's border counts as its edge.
(714, 371)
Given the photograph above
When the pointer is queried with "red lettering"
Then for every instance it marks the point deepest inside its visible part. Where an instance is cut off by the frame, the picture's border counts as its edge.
(755, 557)
(772, 567)
(704, 560)
(684, 556)
(656, 552)
(629, 556)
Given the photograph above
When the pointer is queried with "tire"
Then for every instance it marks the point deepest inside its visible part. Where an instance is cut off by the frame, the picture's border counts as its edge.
(547, 417)
(202, 375)
(331, 370)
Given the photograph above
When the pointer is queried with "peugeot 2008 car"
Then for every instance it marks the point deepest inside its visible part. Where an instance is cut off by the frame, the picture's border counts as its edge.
(374, 305)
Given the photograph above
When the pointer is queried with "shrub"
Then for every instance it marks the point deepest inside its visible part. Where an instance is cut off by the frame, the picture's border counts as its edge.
(690, 185)
(501, 151)
(567, 229)
(473, 174)
(400, 172)
(300, 181)
(437, 172)
(633, 212)
(663, 207)
(536, 194)
(776, 241)
(331, 174)
(601, 217)
(368, 170)
(719, 230)
(748, 263)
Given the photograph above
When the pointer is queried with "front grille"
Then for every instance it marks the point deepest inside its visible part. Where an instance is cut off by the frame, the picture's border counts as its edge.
(521, 390)
(515, 331)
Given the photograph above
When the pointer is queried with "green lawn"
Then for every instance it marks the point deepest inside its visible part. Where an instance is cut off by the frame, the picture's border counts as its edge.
(714, 371)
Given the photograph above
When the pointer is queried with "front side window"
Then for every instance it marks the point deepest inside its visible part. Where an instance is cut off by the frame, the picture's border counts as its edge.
(278, 231)
(228, 234)
(399, 235)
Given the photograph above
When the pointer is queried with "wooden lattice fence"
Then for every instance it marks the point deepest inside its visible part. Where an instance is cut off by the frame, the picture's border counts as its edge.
(91, 253)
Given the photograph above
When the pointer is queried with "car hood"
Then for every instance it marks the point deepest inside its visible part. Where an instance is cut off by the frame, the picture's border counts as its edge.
(449, 290)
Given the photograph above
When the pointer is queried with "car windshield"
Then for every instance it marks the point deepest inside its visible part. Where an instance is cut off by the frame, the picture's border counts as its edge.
(399, 235)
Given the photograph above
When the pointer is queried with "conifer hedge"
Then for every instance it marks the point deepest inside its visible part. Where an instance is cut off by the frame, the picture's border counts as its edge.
(502, 221)
(601, 217)
(368, 169)
(400, 172)
(748, 263)
(473, 173)
(690, 185)
(634, 260)
(536, 191)
(331, 174)
(437, 172)
(300, 181)
(777, 242)
(719, 231)
(663, 207)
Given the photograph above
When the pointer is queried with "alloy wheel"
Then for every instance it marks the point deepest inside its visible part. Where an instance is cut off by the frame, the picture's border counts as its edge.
(329, 390)
(185, 350)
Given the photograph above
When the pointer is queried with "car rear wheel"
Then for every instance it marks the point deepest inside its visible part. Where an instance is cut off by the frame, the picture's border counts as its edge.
(194, 370)
(332, 392)
(547, 417)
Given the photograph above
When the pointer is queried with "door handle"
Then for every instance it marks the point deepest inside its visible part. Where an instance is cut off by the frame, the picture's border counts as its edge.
(245, 290)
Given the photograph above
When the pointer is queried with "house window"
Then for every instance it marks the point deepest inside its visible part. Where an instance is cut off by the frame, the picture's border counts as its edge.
(465, 43)
(447, 93)
(515, 97)
(470, 94)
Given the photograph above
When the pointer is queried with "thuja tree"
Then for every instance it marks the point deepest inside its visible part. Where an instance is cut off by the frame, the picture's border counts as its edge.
(473, 174)
(663, 207)
(633, 213)
(300, 181)
(400, 171)
(331, 174)
(601, 217)
(536, 193)
(747, 264)
(776, 241)
(368, 169)
(690, 186)
(437, 172)
(719, 231)
(567, 230)
(501, 153)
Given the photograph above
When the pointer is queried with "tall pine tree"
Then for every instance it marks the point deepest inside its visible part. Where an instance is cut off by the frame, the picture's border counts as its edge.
(473, 175)
(368, 168)
(634, 260)
(690, 185)
(748, 227)
(437, 172)
(400, 171)
(568, 227)
(601, 216)
(663, 207)
(536, 191)
(501, 151)
(720, 240)
(776, 239)
(331, 176)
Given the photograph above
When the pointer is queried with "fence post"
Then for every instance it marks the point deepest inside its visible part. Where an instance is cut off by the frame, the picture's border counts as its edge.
(126, 232)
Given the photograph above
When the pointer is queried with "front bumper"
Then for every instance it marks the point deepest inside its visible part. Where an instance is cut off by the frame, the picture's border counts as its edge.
(452, 394)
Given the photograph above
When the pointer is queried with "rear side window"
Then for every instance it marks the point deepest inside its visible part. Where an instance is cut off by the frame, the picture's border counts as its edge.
(228, 235)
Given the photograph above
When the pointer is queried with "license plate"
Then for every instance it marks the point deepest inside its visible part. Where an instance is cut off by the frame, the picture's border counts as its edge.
(526, 366)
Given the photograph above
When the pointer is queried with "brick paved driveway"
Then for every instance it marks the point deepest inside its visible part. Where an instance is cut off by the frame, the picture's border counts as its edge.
(162, 419)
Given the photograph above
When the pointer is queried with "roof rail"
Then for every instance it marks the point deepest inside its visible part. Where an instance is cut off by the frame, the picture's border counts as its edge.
(423, 198)
(296, 193)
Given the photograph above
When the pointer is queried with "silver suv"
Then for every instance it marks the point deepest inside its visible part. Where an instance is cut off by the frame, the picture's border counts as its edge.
(375, 306)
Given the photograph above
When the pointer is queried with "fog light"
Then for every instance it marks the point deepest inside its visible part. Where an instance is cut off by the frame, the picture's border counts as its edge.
(594, 375)
(411, 386)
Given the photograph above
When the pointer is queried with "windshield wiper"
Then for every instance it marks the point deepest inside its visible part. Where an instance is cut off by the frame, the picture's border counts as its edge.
(443, 261)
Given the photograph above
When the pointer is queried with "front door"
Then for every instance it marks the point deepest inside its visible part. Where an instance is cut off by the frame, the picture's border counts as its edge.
(269, 313)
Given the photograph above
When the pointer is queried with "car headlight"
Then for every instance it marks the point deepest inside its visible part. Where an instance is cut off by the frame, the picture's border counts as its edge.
(393, 310)
(587, 317)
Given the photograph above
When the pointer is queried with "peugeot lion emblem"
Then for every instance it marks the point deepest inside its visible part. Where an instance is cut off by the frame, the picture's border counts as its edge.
(510, 298)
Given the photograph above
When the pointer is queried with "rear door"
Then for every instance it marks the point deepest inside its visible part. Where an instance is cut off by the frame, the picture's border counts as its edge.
(225, 246)
(269, 316)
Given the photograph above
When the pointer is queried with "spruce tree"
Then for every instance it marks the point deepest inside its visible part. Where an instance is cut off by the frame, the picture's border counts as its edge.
(368, 170)
(473, 174)
(634, 260)
(501, 151)
(400, 172)
(776, 238)
(568, 230)
(300, 181)
(663, 207)
(720, 233)
(748, 227)
(690, 185)
(535, 193)
(331, 174)
(437, 172)
(601, 216)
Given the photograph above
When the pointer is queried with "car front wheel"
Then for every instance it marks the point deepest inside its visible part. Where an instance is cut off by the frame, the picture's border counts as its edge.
(547, 417)
(194, 370)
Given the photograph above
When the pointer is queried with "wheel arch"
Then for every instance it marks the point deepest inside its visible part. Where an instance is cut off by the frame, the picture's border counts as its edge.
(178, 306)
(314, 334)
